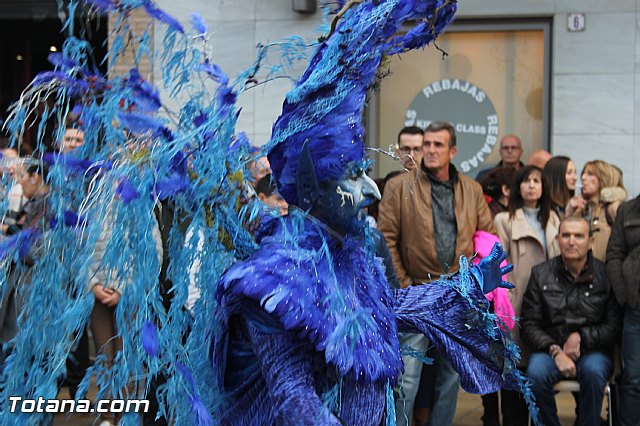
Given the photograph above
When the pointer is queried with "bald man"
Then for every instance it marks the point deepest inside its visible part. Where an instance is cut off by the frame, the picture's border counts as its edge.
(539, 158)
(510, 153)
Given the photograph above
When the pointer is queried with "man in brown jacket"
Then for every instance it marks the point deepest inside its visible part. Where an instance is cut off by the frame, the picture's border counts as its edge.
(428, 217)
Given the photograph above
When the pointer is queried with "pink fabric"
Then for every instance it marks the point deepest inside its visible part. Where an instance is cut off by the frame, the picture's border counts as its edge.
(483, 243)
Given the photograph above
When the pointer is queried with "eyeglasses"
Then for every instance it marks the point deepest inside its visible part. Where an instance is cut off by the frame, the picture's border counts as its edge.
(407, 149)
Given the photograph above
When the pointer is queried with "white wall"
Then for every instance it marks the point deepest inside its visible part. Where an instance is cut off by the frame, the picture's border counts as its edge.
(595, 108)
(236, 28)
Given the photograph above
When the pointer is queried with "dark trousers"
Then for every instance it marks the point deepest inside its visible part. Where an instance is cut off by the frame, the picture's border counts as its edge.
(593, 370)
(630, 384)
(149, 418)
(77, 363)
(514, 409)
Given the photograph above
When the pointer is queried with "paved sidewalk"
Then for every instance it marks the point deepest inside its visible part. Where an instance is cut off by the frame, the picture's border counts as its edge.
(469, 412)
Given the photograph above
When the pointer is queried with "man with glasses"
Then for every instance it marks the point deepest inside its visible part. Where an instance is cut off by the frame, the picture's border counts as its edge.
(409, 147)
(510, 153)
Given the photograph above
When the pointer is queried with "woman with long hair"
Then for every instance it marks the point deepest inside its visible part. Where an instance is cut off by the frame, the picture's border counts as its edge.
(560, 173)
(528, 233)
(602, 192)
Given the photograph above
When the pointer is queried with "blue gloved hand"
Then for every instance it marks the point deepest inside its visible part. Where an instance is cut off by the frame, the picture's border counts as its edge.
(489, 273)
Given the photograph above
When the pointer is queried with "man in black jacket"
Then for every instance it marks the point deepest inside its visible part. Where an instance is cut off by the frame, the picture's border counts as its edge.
(571, 321)
(623, 269)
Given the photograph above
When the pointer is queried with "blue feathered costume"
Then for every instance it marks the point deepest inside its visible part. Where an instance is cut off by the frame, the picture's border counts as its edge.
(305, 329)
(312, 332)
(310, 325)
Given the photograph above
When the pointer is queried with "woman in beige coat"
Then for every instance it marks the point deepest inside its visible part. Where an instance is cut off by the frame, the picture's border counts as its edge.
(528, 230)
(528, 233)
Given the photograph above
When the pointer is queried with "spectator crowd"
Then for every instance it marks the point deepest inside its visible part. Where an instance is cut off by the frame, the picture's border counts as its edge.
(576, 271)
(574, 308)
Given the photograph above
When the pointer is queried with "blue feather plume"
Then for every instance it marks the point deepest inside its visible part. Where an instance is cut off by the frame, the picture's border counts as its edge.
(8, 245)
(324, 110)
(60, 60)
(147, 97)
(159, 14)
(74, 86)
(202, 415)
(127, 192)
(73, 220)
(26, 240)
(214, 71)
(172, 185)
(74, 164)
(198, 23)
(76, 110)
(149, 337)
(102, 5)
(140, 123)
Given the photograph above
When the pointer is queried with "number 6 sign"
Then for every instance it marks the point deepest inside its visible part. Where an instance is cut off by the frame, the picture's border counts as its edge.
(575, 22)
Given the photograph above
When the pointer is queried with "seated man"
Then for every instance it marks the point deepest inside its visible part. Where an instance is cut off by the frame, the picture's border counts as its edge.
(571, 322)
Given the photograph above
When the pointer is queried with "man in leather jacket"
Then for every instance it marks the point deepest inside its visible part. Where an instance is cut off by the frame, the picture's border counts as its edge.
(428, 218)
(571, 321)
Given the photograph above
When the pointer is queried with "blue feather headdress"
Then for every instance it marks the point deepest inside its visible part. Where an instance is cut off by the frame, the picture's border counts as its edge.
(324, 110)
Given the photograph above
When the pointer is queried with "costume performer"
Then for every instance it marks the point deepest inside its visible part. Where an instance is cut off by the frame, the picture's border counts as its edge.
(310, 323)
(302, 331)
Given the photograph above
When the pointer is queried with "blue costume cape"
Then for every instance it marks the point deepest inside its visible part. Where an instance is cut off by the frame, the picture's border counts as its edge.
(310, 323)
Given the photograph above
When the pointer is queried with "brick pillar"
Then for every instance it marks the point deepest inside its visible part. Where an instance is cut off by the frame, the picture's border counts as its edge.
(138, 21)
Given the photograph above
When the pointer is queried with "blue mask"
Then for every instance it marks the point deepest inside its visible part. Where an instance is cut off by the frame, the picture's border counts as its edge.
(341, 202)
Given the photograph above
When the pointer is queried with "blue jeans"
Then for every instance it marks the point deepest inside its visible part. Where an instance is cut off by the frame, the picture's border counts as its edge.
(410, 380)
(593, 370)
(630, 385)
(446, 387)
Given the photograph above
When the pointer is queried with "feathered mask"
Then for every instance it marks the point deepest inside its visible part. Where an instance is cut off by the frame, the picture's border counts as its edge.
(324, 110)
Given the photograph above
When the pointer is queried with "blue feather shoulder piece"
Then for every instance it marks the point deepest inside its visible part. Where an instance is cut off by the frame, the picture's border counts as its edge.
(316, 287)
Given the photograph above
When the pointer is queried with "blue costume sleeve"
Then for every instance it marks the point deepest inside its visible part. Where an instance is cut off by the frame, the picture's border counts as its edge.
(453, 316)
(286, 365)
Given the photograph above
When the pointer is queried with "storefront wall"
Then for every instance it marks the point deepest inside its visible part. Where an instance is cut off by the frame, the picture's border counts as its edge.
(594, 109)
